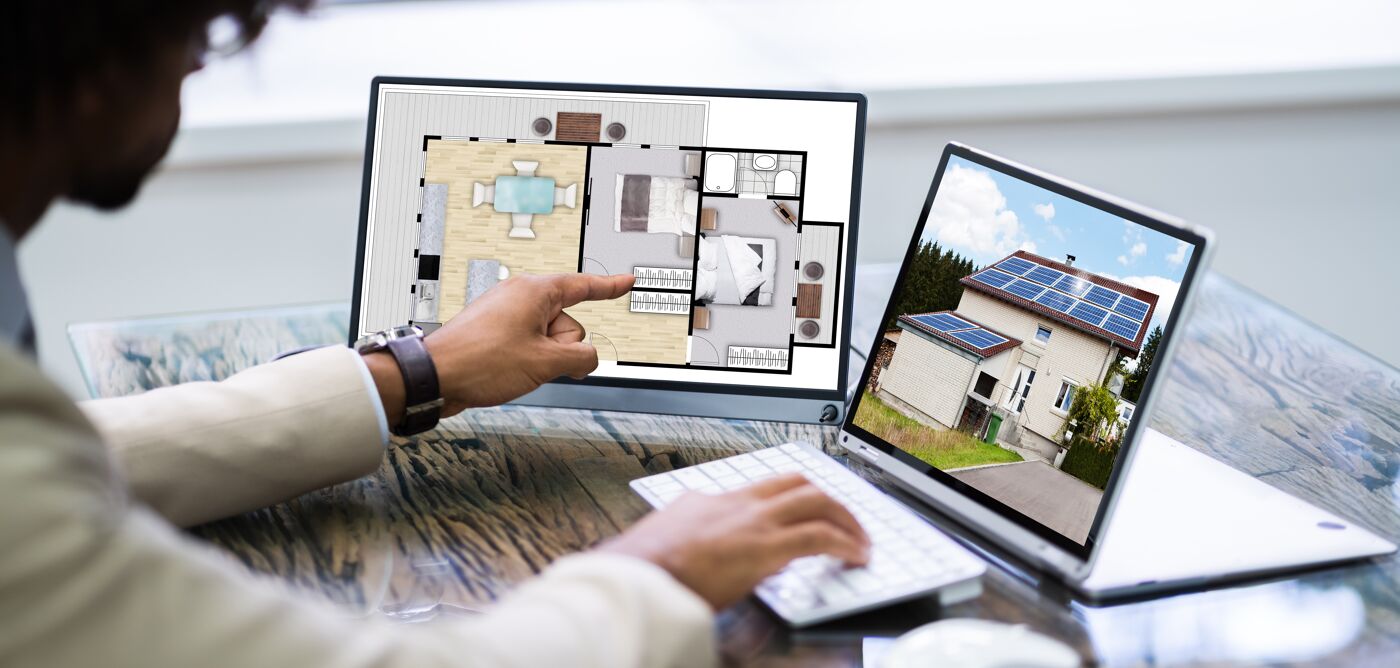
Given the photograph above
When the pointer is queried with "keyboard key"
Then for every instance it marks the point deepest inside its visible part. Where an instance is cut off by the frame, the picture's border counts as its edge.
(789, 466)
(746, 460)
(667, 485)
(859, 580)
(832, 591)
(731, 482)
(690, 477)
(716, 469)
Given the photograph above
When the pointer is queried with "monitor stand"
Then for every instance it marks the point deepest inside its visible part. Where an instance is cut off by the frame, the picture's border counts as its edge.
(1185, 520)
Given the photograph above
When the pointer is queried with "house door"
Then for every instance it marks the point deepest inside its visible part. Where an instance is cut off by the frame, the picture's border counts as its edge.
(1016, 400)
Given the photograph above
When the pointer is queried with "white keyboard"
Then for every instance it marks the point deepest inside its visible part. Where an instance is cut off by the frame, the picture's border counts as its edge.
(909, 557)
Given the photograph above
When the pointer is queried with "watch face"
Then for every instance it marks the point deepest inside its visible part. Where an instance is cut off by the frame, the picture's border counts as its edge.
(402, 331)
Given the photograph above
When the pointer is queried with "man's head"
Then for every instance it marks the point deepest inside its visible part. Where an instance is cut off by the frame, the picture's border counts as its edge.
(100, 81)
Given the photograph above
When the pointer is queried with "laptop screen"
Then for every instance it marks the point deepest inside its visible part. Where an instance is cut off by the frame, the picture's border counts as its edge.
(1019, 341)
(733, 210)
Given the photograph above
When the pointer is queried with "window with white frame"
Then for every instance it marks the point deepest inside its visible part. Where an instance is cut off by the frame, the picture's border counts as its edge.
(1065, 398)
(1042, 335)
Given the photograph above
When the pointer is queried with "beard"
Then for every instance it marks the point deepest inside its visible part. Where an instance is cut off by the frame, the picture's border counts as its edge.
(109, 190)
(114, 185)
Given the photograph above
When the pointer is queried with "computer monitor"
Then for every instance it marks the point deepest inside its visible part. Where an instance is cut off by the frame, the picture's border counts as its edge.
(735, 210)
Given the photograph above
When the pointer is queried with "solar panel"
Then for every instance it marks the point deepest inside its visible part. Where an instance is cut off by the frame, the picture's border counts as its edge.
(979, 338)
(1016, 265)
(944, 322)
(994, 278)
(1122, 326)
(1101, 296)
(1045, 275)
(1057, 301)
(1073, 285)
(1024, 289)
(1088, 313)
(1133, 308)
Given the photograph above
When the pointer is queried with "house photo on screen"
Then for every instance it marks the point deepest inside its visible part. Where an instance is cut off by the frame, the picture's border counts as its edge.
(1020, 338)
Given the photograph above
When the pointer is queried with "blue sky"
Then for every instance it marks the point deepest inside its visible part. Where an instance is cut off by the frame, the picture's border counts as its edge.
(986, 215)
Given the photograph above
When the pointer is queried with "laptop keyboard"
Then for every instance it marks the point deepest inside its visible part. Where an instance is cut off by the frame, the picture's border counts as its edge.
(909, 557)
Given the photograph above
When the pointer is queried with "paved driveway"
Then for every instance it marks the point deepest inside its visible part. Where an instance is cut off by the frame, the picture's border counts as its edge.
(1044, 493)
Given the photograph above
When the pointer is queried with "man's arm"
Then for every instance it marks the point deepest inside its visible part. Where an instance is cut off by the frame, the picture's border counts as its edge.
(87, 579)
(200, 451)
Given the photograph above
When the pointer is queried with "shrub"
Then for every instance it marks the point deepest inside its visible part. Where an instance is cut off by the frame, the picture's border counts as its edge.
(1093, 443)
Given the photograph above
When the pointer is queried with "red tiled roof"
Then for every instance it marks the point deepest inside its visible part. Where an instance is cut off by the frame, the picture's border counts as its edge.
(1130, 346)
(984, 353)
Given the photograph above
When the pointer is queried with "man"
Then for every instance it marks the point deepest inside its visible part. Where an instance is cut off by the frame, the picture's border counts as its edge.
(91, 570)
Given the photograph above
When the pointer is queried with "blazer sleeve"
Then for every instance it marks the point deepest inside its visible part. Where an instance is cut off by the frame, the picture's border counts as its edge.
(88, 578)
(200, 451)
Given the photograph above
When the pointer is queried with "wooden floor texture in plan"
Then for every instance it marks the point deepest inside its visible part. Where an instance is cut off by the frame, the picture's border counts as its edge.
(482, 234)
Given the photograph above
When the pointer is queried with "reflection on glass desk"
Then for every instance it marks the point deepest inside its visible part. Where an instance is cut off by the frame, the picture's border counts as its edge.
(499, 493)
(119, 357)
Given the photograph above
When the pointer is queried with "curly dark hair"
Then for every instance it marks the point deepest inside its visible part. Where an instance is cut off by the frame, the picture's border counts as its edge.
(47, 48)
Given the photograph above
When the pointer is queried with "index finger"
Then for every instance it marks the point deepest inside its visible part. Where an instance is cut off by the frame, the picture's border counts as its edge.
(575, 288)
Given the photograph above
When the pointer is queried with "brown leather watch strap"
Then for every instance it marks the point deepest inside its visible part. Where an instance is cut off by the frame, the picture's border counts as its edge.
(422, 395)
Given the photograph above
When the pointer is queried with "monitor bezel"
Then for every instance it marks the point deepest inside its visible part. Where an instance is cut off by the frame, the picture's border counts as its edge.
(1155, 221)
(556, 391)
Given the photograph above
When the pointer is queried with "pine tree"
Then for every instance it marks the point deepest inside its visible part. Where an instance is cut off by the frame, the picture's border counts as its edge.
(932, 281)
(1132, 385)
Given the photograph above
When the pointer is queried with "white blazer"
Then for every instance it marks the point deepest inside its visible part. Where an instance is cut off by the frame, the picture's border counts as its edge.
(92, 572)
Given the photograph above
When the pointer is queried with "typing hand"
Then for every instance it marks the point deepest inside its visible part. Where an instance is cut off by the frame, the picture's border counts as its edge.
(516, 337)
(722, 546)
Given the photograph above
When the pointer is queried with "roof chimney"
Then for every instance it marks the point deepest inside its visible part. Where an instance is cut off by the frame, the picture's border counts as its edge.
(1069, 259)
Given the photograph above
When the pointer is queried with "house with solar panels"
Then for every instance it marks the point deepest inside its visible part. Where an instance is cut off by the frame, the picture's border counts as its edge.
(1027, 333)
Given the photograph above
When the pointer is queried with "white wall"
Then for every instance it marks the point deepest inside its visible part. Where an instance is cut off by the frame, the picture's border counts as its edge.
(197, 240)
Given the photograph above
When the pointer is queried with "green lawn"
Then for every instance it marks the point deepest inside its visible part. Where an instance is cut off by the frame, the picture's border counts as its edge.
(943, 448)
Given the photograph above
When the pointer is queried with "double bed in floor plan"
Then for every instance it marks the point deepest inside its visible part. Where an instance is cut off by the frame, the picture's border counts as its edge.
(737, 266)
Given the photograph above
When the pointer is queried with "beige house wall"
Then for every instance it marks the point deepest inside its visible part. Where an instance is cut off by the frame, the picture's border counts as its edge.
(928, 377)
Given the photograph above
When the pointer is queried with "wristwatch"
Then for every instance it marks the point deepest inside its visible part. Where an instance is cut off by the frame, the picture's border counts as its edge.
(422, 396)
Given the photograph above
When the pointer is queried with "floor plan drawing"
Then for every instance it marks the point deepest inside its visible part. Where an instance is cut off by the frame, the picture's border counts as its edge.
(731, 271)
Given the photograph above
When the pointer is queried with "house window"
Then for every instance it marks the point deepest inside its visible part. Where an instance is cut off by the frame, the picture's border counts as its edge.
(1065, 398)
(1127, 414)
(986, 384)
(1042, 335)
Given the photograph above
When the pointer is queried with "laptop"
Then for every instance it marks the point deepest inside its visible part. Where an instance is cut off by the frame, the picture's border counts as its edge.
(1007, 391)
(735, 211)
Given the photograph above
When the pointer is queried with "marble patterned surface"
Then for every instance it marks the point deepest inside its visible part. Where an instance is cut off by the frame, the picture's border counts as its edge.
(497, 494)
(124, 356)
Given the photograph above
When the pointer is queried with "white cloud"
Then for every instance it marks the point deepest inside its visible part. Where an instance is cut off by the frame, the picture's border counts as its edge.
(970, 215)
(1137, 250)
(1047, 212)
(1178, 256)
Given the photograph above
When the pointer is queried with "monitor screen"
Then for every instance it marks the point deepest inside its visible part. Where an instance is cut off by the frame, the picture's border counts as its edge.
(733, 210)
(1018, 342)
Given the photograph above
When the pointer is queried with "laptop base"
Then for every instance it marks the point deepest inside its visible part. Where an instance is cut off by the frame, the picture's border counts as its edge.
(1185, 520)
